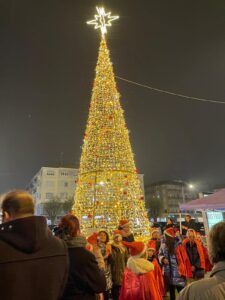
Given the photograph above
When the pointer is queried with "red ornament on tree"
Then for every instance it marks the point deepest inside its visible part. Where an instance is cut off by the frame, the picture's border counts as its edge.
(89, 216)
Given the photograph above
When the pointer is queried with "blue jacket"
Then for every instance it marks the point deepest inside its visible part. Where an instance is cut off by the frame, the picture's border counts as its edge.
(170, 271)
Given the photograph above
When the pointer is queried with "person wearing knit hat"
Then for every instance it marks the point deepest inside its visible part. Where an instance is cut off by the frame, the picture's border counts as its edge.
(155, 237)
(175, 263)
(138, 279)
(93, 247)
(151, 256)
(106, 249)
(195, 254)
(124, 226)
(119, 256)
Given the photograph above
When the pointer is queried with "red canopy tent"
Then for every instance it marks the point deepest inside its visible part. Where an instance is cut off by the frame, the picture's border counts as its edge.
(215, 201)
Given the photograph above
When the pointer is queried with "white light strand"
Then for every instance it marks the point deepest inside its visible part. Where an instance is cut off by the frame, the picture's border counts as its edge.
(102, 20)
(170, 93)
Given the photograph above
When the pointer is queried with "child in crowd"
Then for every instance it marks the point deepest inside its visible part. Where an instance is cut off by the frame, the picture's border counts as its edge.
(94, 248)
(119, 256)
(155, 237)
(106, 249)
(151, 250)
(138, 280)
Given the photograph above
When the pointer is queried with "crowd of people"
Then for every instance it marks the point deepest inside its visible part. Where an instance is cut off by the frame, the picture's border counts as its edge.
(36, 264)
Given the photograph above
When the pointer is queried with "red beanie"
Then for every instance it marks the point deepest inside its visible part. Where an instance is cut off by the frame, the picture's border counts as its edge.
(170, 232)
(92, 239)
(124, 223)
(154, 229)
(151, 245)
(136, 248)
(117, 233)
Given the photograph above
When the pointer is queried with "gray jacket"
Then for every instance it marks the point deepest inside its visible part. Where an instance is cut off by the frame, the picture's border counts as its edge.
(212, 288)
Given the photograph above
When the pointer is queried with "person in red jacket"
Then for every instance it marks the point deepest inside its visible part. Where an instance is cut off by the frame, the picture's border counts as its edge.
(138, 280)
(195, 254)
(208, 265)
(151, 256)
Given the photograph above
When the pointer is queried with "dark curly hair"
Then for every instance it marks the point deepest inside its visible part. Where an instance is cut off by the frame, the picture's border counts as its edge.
(217, 242)
(107, 235)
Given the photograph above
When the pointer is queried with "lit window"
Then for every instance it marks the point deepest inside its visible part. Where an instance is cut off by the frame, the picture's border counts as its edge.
(49, 195)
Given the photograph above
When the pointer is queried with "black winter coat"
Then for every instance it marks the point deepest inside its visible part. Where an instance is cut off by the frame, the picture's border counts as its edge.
(33, 263)
(85, 278)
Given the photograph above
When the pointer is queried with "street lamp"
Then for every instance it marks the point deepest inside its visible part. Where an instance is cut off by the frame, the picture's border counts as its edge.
(190, 186)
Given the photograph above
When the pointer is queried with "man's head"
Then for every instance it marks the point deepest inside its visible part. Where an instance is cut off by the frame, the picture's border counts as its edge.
(217, 242)
(187, 218)
(124, 225)
(17, 204)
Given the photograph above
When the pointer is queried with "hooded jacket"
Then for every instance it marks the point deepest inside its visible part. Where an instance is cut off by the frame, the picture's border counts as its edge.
(179, 268)
(33, 263)
(138, 281)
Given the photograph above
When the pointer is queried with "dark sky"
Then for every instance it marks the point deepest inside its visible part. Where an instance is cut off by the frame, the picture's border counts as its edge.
(47, 60)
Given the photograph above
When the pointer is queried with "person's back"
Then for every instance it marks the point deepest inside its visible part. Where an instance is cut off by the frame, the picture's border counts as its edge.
(85, 278)
(213, 287)
(33, 263)
(139, 282)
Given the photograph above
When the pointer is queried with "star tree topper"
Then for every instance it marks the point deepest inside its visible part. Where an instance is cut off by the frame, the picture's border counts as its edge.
(102, 20)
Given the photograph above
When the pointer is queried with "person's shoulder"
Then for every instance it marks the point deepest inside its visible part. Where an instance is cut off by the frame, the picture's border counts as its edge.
(197, 289)
(81, 252)
(57, 243)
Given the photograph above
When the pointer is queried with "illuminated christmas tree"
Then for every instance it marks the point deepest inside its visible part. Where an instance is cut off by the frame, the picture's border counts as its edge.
(108, 187)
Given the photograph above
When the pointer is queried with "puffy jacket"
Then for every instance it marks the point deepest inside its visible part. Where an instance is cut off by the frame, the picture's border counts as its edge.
(179, 268)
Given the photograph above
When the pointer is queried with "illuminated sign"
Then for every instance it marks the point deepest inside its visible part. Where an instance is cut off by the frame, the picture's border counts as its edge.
(214, 217)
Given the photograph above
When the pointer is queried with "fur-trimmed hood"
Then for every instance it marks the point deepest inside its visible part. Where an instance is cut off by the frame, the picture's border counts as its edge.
(139, 265)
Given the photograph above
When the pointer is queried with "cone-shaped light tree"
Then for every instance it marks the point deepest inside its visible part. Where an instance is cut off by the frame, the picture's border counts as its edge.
(108, 188)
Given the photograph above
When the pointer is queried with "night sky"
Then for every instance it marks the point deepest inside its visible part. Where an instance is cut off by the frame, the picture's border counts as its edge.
(47, 60)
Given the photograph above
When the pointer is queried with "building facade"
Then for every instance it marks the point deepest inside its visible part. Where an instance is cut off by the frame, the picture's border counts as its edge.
(163, 198)
(49, 183)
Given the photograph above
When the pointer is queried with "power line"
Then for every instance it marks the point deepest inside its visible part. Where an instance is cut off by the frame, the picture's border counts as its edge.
(171, 93)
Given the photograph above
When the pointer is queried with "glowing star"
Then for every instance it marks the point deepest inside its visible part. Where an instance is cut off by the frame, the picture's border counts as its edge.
(102, 20)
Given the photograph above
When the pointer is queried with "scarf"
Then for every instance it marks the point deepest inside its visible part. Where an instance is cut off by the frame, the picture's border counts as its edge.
(119, 246)
(139, 265)
(76, 242)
